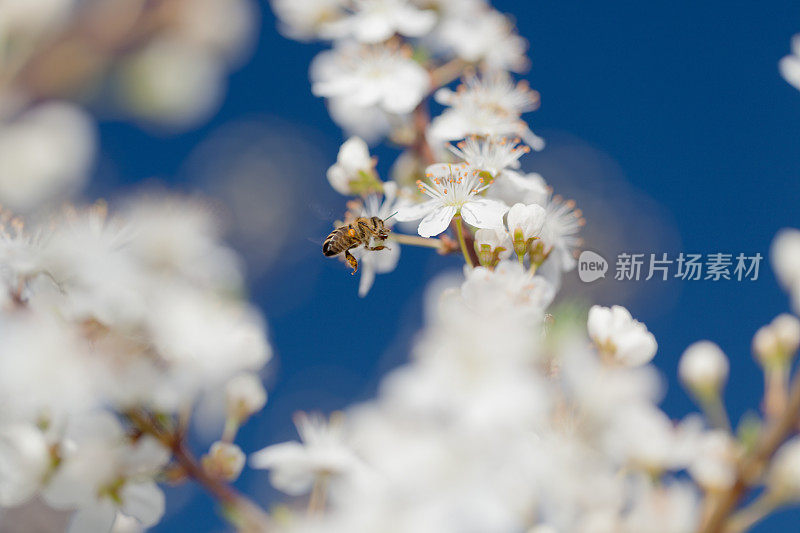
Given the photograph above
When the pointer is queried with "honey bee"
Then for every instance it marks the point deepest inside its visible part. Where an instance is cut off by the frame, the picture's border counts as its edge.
(362, 230)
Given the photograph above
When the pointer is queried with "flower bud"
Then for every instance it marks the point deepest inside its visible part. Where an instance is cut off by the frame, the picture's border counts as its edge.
(783, 477)
(525, 223)
(787, 331)
(776, 343)
(703, 368)
(785, 257)
(619, 338)
(244, 395)
(354, 171)
(492, 245)
(223, 461)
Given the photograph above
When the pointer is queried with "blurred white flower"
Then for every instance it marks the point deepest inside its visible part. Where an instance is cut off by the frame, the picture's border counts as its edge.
(714, 464)
(486, 37)
(454, 190)
(369, 123)
(47, 153)
(322, 453)
(492, 154)
(353, 164)
(560, 232)
(244, 396)
(43, 359)
(180, 237)
(374, 21)
(670, 508)
(104, 282)
(511, 187)
(783, 476)
(307, 19)
(225, 27)
(365, 76)
(777, 342)
(703, 368)
(205, 340)
(789, 66)
(507, 288)
(21, 18)
(224, 460)
(102, 473)
(620, 338)
(785, 259)
(172, 83)
(24, 461)
(489, 105)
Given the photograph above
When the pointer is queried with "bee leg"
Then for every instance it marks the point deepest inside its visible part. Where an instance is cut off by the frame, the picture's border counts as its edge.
(352, 261)
(376, 248)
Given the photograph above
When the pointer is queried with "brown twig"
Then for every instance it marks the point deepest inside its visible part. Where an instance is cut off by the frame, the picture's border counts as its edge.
(246, 515)
(753, 464)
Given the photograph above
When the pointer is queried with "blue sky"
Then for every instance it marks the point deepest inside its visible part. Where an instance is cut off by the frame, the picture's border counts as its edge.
(682, 118)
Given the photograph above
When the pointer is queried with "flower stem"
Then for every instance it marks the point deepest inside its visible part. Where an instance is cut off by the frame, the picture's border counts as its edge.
(240, 511)
(444, 74)
(715, 411)
(753, 464)
(316, 502)
(413, 240)
(746, 518)
(461, 241)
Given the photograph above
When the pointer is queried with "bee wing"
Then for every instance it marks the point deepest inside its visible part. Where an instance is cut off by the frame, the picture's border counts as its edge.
(323, 212)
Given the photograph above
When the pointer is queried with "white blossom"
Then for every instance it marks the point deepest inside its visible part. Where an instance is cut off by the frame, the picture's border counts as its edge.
(353, 164)
(714, 464)
(783, 476)
(492, 154)
(24, 461)
(486, 37)
(374, 21)
(365, 76)
(492, 244)
(244, 396)
(490, 105)
(453, 190)
(308, 19)
(525, 222)
(511, 187)
(560, 232)
(619, 337)
(173, 83)
(224, 460)
(790, 65)
(785, 259)
(294, 466)
(703, 368)
(102, 473)
(47, 153)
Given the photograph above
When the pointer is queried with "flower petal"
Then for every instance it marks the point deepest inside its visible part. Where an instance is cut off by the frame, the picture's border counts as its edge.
(415, 211)
(143, 501)
(437, 221)
(367, 279)
(484, 213)
(96, 518)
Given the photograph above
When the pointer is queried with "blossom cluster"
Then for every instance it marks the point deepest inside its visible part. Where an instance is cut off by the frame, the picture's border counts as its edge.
(115, 327)
(511, 415)
(108, 321)
(162, 63)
